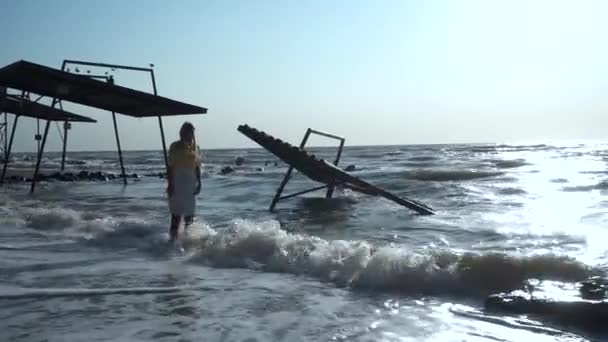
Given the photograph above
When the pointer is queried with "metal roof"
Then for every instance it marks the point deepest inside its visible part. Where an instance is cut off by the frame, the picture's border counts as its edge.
(83, 90)
(24, 107)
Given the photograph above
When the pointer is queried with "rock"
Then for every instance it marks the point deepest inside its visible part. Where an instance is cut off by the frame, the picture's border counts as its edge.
(350, 168)
(226, 170)
(239, 161)
(67, 177)
(559, 303)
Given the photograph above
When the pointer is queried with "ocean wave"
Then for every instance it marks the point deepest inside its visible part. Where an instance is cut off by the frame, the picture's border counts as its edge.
(508, 191)
(508, 164)
(449, 175)
(603, 185)
(359, 265)
(21, 293)
(422, 158)
(355, 264)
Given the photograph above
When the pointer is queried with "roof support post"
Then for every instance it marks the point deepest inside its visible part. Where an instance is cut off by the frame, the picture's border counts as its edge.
(5, 147)
(46, 133)
(8, 150)
(122, 166)
(160, 123)
(162, 138)
(65, 143)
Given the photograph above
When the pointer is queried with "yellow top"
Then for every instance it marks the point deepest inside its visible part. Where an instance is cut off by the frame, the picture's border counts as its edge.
(184, 155)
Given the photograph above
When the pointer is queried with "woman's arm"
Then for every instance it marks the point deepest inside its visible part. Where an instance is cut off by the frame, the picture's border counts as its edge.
(169, 181)
(170, 170)
(197, 172)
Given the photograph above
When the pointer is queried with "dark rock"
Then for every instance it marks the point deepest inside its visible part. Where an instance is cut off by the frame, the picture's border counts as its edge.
(558, 303)
(68, 177)
(226, 170)
(350, 168)
(239, 161)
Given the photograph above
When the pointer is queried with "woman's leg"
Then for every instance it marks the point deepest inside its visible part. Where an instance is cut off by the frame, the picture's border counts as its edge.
(174, 226)
(188, 221)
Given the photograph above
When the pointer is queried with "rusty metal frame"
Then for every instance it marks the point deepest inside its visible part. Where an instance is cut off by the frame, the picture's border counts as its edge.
(330, 187)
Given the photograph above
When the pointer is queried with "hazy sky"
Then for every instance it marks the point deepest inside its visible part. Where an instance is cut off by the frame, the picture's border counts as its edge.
(377, 72)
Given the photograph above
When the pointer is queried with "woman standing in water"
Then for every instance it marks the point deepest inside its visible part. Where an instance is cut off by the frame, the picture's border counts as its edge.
(184, 178)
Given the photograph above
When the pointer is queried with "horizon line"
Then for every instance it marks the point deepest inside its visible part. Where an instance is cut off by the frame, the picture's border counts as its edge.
(512, 143)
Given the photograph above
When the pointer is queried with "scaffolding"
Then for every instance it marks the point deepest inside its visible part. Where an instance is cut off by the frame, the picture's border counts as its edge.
(88, 90)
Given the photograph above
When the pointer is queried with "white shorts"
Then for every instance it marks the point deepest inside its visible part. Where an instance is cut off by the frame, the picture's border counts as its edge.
(183, 200)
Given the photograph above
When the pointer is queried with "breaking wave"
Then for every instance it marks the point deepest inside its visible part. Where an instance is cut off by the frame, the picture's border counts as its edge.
(359, 265)
(449, 175)
(355, 264)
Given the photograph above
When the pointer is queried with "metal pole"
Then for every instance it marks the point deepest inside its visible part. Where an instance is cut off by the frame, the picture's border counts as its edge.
(122, 167)
(331, 187)
(38, 134)
(65, 128)
(277, 196)
(8, 151)
(160, 124)
(65, 143)
(5, 134)
(46, 133)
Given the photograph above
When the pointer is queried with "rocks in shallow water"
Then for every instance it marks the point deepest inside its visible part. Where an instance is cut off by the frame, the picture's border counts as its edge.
(80, 176)
(226, 170)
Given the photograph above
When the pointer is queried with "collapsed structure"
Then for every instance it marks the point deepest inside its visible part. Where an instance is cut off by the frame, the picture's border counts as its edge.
(320, 170)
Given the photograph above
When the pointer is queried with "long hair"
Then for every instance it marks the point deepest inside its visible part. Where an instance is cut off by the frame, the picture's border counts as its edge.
(188, 127)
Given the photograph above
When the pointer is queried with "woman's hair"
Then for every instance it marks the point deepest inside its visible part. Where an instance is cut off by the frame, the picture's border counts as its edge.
(187, 127)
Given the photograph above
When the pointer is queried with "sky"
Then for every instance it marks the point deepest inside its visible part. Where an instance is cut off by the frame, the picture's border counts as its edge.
(377, 72)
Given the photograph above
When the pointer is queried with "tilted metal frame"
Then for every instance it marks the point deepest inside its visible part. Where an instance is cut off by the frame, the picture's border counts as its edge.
(330, 187)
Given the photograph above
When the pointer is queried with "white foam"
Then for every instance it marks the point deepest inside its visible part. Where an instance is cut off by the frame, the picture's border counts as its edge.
(264, 246)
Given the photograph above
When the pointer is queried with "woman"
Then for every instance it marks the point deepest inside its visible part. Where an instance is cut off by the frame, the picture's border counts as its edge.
(184, 178)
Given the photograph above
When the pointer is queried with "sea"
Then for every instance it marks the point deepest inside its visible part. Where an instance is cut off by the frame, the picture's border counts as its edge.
(90, 260)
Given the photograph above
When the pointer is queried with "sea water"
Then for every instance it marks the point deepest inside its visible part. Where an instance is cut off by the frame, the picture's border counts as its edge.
(89, 260)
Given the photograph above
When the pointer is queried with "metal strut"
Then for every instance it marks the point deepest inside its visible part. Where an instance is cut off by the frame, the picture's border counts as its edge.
(122, 166)
(46, 133)
(287, 177)
(8, 151)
